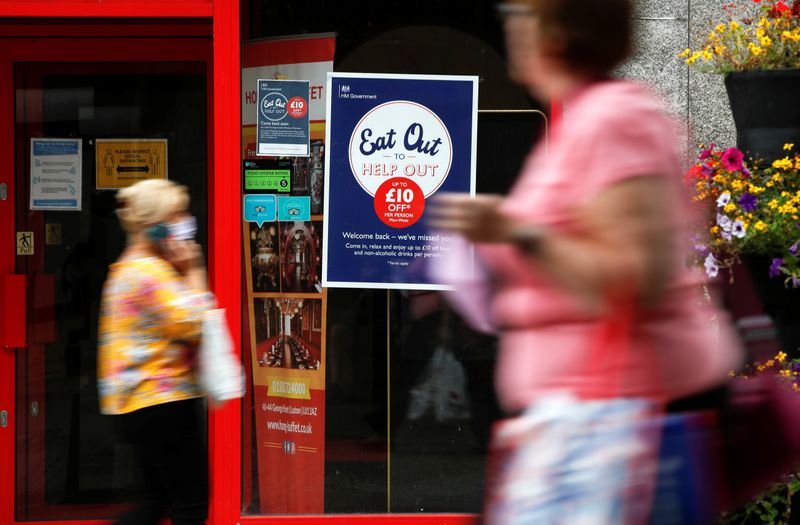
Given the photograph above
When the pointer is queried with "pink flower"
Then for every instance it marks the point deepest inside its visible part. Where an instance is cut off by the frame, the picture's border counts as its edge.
(732, 160)
(706, 153)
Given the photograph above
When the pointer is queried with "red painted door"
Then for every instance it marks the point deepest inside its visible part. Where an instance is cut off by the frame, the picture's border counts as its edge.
(62, 101)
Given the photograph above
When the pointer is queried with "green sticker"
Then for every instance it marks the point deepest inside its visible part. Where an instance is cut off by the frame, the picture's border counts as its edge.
(272, 180)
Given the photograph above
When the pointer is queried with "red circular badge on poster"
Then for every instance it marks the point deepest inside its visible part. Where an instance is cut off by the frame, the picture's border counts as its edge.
(399, 202)
(297, 107)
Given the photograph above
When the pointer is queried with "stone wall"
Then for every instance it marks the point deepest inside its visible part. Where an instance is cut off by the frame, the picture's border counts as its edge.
(664, 28)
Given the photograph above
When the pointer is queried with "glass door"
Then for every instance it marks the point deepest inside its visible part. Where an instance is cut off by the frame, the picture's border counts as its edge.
(81, 131)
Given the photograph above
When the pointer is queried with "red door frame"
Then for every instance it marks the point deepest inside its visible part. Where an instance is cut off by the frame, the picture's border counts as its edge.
(224, 270)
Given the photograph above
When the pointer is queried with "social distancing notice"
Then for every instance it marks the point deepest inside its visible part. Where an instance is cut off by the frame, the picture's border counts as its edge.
(120, 163)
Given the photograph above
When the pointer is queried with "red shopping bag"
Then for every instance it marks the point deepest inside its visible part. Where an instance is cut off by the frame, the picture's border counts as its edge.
(760, 431)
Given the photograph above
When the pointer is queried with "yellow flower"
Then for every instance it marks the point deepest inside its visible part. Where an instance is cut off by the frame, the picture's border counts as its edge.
(781, 357)
(694, 58)
(766, 41)
(734, 25)
(797, 163)
(770, 363)
(720, 28)
(729, 207)
(783, 164)
(786, 373)
(760, 226)
(777, 178)
(737, 185)
(754, 49)
(773, 204)
(763, 22)
(770, 184)
(707, 55)
(793, 36)
(684, 53)
(719, 179)
(719, 49)
(755, 189)
(714, 230)
(788, 147)
(760, 33)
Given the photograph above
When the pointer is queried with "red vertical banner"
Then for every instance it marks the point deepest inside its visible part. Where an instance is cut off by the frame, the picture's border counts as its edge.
(286, 302)
(288, 356)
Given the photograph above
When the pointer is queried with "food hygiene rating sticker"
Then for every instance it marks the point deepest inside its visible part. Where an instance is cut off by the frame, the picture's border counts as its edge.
(400, 154)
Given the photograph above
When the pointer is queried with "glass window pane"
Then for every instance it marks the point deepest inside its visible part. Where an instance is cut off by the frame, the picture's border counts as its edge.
(408, 392)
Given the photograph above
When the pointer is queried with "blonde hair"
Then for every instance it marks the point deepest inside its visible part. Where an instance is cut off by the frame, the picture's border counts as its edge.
(149, 202)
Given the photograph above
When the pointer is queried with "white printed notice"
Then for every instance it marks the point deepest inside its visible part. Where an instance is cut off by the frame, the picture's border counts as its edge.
(55, 174)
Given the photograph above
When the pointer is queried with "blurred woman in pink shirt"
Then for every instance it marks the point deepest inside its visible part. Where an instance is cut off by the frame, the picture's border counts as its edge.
(599, 209)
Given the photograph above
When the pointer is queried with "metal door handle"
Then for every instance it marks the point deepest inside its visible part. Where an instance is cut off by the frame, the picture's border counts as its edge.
(3, 418)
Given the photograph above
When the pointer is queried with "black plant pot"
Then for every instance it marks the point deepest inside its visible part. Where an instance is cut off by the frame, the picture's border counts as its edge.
(766, 110)
(782, 304)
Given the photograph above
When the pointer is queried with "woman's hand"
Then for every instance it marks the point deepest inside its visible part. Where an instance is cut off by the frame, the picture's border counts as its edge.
(477, 218)
(187, 258)
(183, 255)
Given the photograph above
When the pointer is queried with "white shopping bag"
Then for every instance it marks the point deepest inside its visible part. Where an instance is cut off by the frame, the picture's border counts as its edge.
(219, 371)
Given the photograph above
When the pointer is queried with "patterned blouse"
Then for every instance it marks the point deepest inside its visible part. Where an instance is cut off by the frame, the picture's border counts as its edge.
(150, 324)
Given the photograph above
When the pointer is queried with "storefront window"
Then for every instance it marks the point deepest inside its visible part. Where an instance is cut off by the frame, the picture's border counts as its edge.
(365, 400)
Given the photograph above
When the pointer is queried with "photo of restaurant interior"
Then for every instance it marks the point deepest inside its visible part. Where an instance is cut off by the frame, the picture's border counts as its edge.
(288, 332)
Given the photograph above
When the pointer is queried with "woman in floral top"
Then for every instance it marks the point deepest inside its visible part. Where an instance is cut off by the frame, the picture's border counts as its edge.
(153, 303)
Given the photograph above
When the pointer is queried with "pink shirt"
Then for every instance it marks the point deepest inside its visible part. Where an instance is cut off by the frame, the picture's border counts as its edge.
(613, 130)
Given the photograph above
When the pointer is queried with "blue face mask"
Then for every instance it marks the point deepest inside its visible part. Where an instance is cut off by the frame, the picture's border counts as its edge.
(183, 230)
(157, 232)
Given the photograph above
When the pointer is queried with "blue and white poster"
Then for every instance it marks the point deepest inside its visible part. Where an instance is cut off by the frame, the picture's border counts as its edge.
(55, 172)
(393, 142)
(282, 118)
